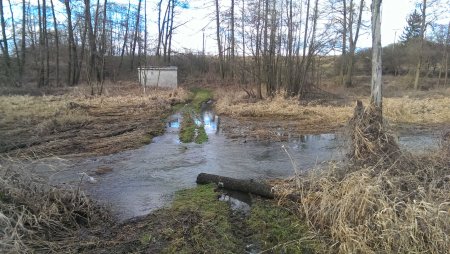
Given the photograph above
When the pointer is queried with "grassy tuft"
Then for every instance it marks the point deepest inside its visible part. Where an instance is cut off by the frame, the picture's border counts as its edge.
(279, 230)
(201, 137)
(35, 216)
(399, 206)
(200, 224)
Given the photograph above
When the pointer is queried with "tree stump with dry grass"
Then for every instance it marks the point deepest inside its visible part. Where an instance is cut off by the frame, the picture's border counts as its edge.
(370, 140)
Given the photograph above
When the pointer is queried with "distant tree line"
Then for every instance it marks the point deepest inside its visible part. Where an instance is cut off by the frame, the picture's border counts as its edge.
(268, 45)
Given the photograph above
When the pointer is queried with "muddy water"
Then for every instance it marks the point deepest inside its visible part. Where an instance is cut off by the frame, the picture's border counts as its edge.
(145, 179)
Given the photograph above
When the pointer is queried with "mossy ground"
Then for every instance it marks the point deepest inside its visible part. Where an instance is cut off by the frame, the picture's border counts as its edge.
(197, 222)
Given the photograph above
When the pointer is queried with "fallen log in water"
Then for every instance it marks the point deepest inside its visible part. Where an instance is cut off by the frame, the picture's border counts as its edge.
(247, 186)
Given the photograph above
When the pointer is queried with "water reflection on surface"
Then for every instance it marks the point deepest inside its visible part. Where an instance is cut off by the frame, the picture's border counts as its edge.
(145, 179)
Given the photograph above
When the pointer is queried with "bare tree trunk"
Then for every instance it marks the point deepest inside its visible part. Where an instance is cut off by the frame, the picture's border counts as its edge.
(92, 67)
(301, 71)
(136, 33)
(5, 50)
(422, 38)
(257, 53)
(73, 58)
(103, 48)
(232, 40)
(41, 75)
(376, 90)
(353, 41)
(219, 45)
(55, 24)
(23, 43)
(14, 33)
(47, 49)
(145, 32)
(344, 43)
(170, 31)
(243, 43)
(446, 55)
(160, 28)
(126, 35)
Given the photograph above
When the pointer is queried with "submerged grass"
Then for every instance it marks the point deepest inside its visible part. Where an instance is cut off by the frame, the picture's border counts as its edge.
(190, 131)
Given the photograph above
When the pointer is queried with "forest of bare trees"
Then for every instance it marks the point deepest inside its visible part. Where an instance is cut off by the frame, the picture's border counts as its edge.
(265, 46)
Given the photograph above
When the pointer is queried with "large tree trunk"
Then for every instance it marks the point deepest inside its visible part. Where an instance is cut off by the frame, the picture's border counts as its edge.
(376, 91)
(247, 186)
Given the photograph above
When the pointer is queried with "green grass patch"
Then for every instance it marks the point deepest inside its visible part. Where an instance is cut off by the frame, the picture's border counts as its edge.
(200, 95)
(278, 229)
(197, 222)
(187, 128)
(200, 225)
(201, 135)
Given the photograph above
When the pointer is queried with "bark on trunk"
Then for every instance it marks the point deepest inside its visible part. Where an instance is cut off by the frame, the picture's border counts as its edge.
(247, 186)
(376, 91)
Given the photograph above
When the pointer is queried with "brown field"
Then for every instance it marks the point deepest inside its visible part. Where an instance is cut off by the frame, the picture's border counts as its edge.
(78, 124)
(253, 119)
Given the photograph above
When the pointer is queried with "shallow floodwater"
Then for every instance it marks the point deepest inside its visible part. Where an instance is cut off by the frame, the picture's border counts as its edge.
(145, 179)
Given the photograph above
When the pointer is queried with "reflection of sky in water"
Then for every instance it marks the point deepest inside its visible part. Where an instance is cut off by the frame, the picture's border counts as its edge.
(174, 124)
(210, 121)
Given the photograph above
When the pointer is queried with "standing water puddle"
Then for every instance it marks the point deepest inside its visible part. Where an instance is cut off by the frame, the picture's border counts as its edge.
(145, 179)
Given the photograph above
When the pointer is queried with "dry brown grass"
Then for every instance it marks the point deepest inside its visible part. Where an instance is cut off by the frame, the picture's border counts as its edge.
(36, 217)
(399, 110)
(381, 201)
(79, 123)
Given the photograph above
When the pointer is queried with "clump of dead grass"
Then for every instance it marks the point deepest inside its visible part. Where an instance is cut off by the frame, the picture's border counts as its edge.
(35, 216)
(400, 208)
(383, 200)
(370, 139)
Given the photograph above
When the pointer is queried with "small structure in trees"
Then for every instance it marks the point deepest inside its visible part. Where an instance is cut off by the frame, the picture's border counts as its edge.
(158, 76)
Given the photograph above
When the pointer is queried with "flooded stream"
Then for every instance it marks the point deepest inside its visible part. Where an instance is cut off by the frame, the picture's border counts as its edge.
(139, 181)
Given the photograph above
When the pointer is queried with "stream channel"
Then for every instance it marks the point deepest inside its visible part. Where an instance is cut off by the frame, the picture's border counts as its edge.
(142, 180)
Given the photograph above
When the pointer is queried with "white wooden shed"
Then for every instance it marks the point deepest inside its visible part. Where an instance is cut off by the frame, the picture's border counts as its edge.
(158, 76)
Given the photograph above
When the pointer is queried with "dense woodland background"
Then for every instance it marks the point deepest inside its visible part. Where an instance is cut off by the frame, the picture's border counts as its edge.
(265, 46)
